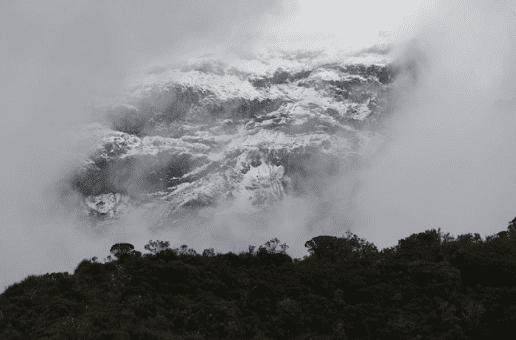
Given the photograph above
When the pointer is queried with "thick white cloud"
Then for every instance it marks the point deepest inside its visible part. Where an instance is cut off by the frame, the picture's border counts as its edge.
(55, 56)
(450, 162)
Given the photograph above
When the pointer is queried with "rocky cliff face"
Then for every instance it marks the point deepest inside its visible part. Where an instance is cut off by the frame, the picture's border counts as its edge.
(245, 133)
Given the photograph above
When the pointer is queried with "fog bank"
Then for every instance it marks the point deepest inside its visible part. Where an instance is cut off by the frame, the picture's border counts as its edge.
(57, 56)
(450, 161)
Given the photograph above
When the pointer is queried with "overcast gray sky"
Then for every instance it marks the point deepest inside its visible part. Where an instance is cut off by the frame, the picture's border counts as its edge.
(450, 162)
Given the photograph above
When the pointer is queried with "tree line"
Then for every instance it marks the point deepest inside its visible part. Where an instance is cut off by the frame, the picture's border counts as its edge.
(431, 285)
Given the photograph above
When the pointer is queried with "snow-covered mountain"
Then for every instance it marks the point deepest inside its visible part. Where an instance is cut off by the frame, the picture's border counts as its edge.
(245, 132)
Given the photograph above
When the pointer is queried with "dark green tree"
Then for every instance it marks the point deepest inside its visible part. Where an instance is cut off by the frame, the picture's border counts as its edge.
(208, 252)
(156, 246)
(341, 248)
(270, 247)
(430, 245)
(512, 226)
(120, 249)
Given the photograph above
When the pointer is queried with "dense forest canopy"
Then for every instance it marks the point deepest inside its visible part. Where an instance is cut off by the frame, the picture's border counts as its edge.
(431, 285)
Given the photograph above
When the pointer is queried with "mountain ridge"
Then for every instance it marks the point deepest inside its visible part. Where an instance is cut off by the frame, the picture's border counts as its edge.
(206, 132)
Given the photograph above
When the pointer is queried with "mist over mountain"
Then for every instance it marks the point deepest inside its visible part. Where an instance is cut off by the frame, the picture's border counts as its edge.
(121, 124)
(206, 138)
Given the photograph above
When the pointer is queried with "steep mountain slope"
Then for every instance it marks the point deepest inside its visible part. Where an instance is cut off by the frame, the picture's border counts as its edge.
(246, 132)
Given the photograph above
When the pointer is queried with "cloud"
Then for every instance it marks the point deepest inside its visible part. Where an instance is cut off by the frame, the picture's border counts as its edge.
(339, 25)
(56, 57)
(447, 164)
(449, 161)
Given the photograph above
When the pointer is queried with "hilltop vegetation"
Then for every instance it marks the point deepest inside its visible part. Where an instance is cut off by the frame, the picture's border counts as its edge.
(430, 286)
